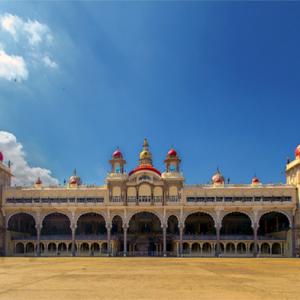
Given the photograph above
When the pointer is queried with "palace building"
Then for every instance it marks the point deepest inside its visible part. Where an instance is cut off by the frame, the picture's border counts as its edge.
(147, 212)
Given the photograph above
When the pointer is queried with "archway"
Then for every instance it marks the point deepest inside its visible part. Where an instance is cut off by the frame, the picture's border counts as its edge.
(21, 226)
(230, 248)
(30, 248)
(144, 234)
(273, 225)
(241, 248)
(52, 248)
(206, 249)
(172, 232)
(265, 249)
(199, 223)
(56, 224)
(91, 225)
(117, 234)
(237, 224)
(20, 248)
(62, 247)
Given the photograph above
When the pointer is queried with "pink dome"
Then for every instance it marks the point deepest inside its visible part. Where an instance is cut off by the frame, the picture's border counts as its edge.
(218, 178)
(117, 154)
(172, 152)
(297, 151)
(1, 157)
(255, 180)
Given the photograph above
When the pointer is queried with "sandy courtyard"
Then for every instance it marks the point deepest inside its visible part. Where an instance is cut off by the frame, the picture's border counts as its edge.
(149, 278)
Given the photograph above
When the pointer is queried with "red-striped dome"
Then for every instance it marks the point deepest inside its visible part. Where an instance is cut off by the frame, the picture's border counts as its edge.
(145, 168)
(38, 181)
(255, 180)
(117, 154)
(1, 157)
(218, 178)
(172, 152)
(297, 151)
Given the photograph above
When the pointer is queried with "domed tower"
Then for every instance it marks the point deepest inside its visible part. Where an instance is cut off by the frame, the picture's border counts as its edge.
(38, 183)
(172, 161)
(74, 180)
(293, 169)
(145, 154)
(5, 173)
(117, 162)
(218, 179)
(255, 181)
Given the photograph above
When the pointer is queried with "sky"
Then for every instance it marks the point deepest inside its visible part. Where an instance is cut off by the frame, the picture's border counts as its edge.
(218, 81)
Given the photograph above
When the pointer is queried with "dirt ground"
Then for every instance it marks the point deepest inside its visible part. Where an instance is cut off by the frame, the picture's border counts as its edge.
(149, 278)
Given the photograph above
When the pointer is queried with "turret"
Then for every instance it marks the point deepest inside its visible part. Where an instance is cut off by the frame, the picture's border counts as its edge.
(293, 169)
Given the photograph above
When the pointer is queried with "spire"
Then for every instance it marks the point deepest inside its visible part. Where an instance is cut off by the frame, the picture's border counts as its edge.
(145, 145)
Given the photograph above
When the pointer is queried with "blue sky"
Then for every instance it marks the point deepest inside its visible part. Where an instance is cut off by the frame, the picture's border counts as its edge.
(218, 80)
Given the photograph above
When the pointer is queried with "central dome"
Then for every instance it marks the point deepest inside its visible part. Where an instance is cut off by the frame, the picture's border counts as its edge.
(145, 154)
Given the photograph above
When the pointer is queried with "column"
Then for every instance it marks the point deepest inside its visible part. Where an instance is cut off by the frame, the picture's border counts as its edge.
(38, 239)
(218, 229)
(125, 228)
(108, 228)
(73, 228)
(255, 228)
(181, 227)
(293, 237)
(164, 240)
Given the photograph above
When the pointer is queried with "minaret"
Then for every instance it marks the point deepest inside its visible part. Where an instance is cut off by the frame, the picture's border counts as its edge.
(145, 154)
(117, 162)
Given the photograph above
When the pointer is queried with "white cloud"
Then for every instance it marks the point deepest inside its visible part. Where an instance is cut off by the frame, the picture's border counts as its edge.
(49, 62)
(12, 67)
(24, 174)
(32, 30)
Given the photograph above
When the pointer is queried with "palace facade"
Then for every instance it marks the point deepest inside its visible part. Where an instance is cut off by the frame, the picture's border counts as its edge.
(149, 213)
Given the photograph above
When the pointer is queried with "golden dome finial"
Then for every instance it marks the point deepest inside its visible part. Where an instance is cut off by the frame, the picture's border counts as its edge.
(145, 154)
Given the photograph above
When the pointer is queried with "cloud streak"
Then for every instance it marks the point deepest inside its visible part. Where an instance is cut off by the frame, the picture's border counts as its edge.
(12, 67)
(24, 174)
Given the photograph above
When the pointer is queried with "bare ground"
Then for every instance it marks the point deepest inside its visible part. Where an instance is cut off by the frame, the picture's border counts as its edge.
(149, 278)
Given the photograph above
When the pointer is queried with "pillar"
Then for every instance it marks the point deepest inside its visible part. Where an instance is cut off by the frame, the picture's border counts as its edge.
(181, 227)
(293, 237)
(38, 239)
(255, 228)
(108, 228)
(218, 229)
(164, 240)
(125, 228)
(73, 228)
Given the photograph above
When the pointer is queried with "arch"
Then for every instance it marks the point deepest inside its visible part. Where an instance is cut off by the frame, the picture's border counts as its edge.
(279, 212)
(132, 214)
(187, 214)
(230, 248)
(265, 248)
(172, 223)
(62, 247)
(42, 247)
(272, 223)
(238, 212)
(116, 225)
(23, 223)
(56, 224)
(199, 223)
(186, 248)
(30, 247)
(20, 248)
(276, 248)
(251, 248)
(102, 214)
(91, 224)
(104, 247)
(52, 247)
(145, 190)
(241, 248)
(206, 248)
(196, 247)
(44, 216)
(236, 223)
(84, 247)
(95, 247)
(70, 247)
(18, 213)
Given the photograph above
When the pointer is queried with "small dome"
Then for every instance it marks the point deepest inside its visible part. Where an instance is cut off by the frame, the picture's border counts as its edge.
(218, 178)
(255, 180)
(117, 154)
(145, 154)
(38, 181)
(297, 151)
(1, 157)
(172, 152)
(74, 179)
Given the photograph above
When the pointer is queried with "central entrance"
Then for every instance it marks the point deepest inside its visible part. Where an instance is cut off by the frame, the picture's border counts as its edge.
(145, 235)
